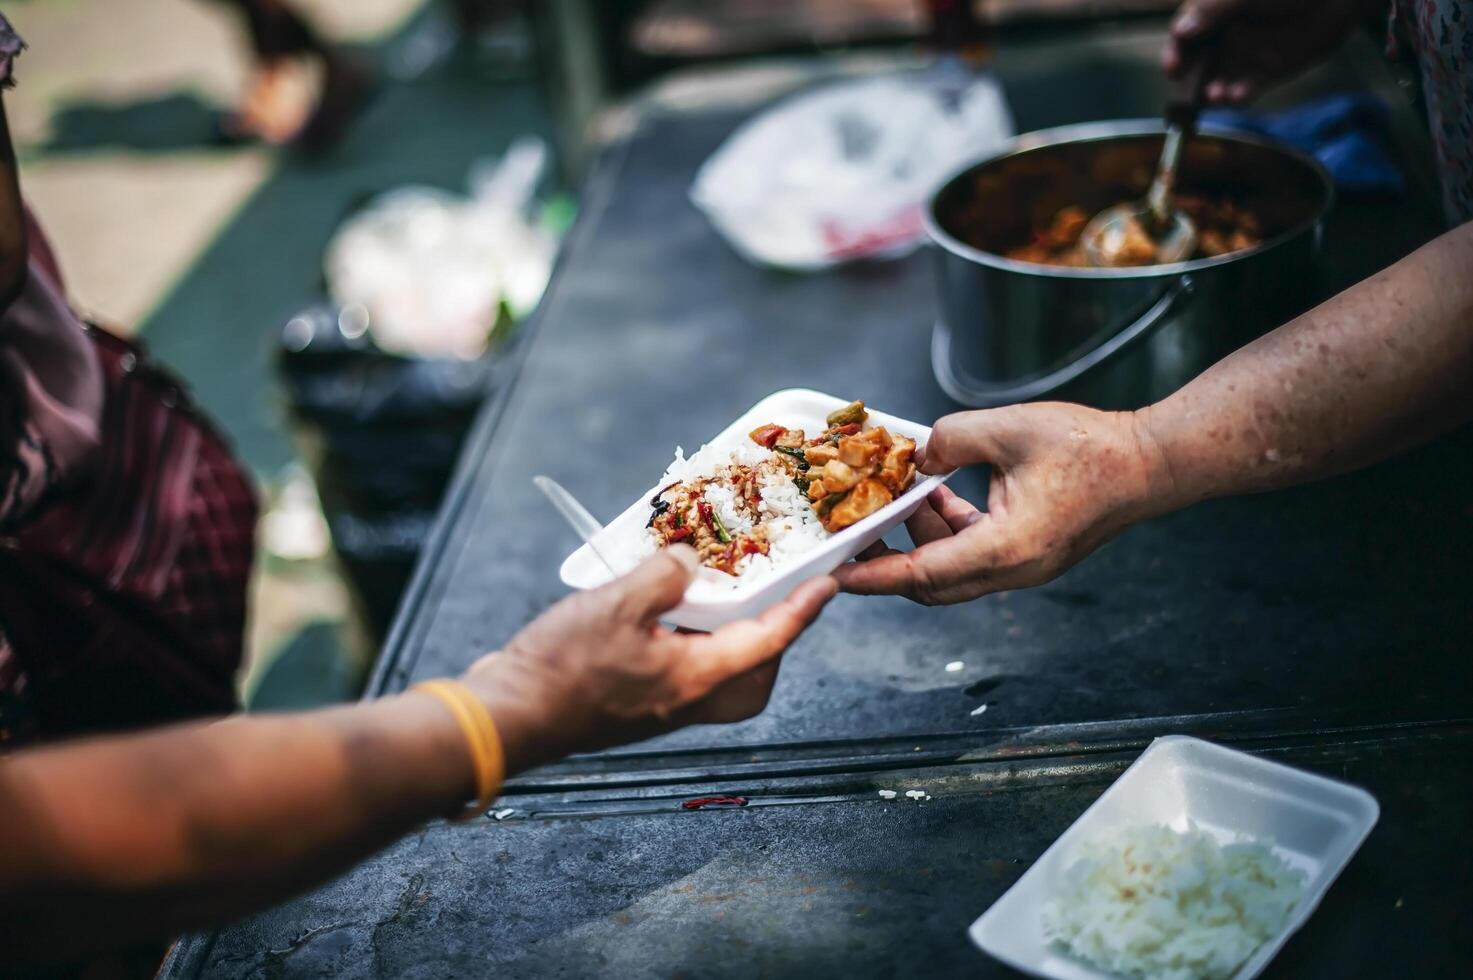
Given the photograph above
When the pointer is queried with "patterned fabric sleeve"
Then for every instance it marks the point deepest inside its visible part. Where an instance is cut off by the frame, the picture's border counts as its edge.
(54, 381)
(1440, 34)
(10, 48)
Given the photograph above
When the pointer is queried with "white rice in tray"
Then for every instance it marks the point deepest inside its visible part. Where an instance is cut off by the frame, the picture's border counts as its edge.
(792, 527)
(1154, 902)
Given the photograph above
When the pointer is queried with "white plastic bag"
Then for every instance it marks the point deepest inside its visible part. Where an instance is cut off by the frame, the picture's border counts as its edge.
(844, 172)
(432, 268)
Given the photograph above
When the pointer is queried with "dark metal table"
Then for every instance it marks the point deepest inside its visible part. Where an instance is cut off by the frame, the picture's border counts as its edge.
(1327, 626)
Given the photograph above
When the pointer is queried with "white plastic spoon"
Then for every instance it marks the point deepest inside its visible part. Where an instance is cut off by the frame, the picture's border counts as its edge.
(584, 524)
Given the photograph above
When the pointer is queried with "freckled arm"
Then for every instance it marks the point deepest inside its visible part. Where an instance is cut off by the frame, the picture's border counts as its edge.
(1376, 370)
(1382, 367)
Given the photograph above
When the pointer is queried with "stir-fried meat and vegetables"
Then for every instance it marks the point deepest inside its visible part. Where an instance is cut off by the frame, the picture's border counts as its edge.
(1223, 226)
(682, 513)
(846, 473)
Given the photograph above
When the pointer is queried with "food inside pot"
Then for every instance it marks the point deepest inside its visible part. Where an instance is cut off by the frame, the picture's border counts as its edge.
(1223, 226)
(1032, 205)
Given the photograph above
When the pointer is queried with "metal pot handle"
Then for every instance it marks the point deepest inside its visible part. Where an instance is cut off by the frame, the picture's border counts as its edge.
(979, 394)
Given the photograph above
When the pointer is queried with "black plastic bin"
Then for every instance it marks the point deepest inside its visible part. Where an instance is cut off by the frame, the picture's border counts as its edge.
(381, 434)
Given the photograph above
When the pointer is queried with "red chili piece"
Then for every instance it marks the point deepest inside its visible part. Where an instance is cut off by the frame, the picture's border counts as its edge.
(679, 534)
(767, 435)
(701, 802)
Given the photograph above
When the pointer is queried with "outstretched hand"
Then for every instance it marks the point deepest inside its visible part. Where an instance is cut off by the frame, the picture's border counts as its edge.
(1065, 479)
(598, 669)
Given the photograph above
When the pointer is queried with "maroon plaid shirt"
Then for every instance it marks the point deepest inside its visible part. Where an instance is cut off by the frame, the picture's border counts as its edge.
(122, 600)
(124, 560)
(1440, 34)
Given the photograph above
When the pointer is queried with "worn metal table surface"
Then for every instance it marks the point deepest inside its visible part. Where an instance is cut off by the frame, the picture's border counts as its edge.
(1327, 626)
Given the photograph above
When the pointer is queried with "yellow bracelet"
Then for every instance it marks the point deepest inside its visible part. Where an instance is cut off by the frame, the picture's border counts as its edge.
(481, 737)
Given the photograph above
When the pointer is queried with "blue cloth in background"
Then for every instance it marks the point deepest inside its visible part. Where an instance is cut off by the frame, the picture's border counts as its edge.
(1343, 132)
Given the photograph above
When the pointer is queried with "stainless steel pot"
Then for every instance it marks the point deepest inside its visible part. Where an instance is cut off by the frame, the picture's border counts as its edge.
(1011, 331)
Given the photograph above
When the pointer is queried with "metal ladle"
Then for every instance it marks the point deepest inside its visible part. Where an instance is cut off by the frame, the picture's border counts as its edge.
(1174, 234)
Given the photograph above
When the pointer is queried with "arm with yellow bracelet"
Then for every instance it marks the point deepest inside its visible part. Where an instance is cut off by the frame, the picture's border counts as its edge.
(110, 841)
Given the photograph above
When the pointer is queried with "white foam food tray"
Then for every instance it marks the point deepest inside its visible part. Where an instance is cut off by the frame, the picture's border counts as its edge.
(711, 601)
(1313, 823)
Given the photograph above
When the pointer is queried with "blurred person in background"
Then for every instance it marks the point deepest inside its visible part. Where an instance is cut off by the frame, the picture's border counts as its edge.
(283, 105)
(1379, 369)
(280, 106)
(126, 525)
